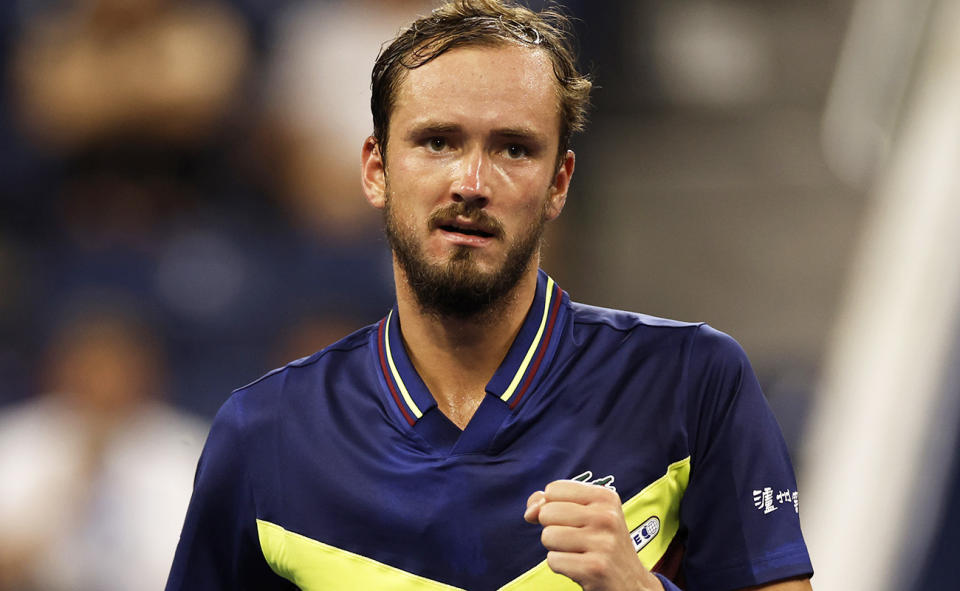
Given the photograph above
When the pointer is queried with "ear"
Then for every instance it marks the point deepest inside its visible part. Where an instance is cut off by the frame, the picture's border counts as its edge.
(560, 186)
(373, 173)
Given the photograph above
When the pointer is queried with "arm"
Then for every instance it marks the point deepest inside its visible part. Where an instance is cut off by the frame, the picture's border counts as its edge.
(741, 507)
(219, 545)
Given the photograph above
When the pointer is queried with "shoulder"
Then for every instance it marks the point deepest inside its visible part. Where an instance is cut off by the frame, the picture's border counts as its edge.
(263, 397)
(624, 320)
(254, 417)
(591, 322)
(351, 346)
(701, 344)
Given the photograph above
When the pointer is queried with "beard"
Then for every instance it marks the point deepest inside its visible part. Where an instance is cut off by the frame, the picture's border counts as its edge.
(457, 288)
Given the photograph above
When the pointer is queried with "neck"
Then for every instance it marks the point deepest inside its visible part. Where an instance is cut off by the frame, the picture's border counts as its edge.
(456, 357)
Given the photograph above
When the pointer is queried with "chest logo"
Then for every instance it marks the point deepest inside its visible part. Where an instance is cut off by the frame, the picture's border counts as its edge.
(587, 477)
(645, 533)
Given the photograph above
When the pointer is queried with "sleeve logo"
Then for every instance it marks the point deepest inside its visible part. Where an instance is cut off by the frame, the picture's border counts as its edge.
(768, 501)
(645, 533)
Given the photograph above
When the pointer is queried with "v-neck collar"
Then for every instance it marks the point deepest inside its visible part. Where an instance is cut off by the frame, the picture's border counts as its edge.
(525, 361)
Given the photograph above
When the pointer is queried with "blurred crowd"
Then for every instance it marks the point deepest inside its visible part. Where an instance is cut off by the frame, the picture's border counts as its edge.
(194, 158)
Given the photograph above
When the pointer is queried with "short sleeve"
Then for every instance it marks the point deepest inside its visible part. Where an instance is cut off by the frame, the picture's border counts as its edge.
(219, 548)
(741, 508)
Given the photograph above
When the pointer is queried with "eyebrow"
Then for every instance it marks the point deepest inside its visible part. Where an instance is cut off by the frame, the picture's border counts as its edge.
(431, 127)
(439, 128)
(517, 132)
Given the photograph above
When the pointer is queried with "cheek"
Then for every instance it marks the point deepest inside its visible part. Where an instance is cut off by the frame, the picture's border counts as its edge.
(403, 212)
(538, 203)
(406, 219)
(412, 179)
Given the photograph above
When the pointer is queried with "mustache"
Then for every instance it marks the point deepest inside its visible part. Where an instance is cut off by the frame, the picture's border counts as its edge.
(469, 211)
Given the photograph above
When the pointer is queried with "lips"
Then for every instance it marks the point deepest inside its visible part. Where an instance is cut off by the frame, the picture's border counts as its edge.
(478, 225)
(466, 225)
(468, 229)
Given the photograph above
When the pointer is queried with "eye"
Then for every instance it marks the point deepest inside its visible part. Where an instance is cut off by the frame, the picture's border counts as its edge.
(515, 151)
(436, 144)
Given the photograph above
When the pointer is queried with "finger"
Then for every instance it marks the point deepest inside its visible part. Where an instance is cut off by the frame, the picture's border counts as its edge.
(579, 492)
(536, 498)
(562, 538)
(582, 568)
(534, 503)
(565, 513)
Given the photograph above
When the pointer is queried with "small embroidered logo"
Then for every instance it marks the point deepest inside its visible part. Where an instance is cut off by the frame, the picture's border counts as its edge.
(645, 533)
(605, 482)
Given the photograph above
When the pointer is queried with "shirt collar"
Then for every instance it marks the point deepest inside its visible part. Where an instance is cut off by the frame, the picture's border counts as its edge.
(529, 352)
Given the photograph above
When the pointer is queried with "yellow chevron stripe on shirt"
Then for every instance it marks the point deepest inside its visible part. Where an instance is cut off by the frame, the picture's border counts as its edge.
(661, 498)
(315, 566)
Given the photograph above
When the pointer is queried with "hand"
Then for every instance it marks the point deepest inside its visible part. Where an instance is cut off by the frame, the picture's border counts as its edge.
(586, 537)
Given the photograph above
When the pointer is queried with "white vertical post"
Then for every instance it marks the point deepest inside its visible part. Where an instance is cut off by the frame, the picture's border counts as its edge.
(869, 479)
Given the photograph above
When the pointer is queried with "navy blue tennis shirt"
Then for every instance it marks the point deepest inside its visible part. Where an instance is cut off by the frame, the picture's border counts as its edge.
(338, 471)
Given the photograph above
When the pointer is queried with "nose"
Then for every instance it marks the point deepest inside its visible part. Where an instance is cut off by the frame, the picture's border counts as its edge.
(472, 179)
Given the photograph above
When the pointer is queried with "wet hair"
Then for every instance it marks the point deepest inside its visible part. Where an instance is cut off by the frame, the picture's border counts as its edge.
(460, 23)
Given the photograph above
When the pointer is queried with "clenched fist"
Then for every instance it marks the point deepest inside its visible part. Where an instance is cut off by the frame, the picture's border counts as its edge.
(586, 537)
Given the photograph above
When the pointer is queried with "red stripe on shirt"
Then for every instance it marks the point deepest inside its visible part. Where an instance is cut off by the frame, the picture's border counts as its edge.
(386, 374)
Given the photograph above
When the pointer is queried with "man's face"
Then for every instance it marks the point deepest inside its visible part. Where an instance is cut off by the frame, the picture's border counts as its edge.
(472, 174)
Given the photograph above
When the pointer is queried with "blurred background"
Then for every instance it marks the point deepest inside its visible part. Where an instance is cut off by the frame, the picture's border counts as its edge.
(180, 212)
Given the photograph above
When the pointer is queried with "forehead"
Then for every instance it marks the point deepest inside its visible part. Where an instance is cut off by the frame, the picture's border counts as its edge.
(507, 85)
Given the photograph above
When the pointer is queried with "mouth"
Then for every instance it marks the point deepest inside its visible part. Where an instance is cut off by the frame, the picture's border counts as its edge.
(468, 230)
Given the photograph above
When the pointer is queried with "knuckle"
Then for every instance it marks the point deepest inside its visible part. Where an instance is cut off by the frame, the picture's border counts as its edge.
(552, 488)
(597, 566)
(606, 519)
(610, 495)
(611, 518)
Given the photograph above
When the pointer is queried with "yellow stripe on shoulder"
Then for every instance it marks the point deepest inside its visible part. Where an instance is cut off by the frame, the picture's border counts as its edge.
(315, 566)
(660, 499)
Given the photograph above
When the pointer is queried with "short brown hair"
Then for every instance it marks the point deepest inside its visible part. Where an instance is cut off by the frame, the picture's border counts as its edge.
(459, 23)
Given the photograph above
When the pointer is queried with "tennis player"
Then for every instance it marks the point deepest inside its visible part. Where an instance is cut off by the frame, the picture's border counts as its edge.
(488, 432)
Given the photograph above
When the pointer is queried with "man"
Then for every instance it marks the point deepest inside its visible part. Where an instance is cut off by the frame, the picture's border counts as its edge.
(489, 433)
